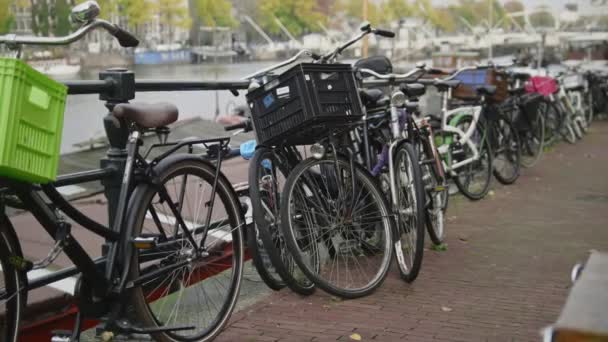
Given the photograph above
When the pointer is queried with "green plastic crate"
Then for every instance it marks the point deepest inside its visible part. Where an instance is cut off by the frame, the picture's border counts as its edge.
(31, 122)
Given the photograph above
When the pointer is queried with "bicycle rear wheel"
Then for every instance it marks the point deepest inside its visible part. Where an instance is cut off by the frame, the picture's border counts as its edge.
(267, 176)
(12, 295)
(186, 281)
(507, 150)
(333, 209)
(436, 199)
(474, 178)
(409, 209)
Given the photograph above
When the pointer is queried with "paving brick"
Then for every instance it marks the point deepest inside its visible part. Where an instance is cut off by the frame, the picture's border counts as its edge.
(507, 281)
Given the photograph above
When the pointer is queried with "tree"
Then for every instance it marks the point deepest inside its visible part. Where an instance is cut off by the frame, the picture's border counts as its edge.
(298, 16)
(6, 17)
(515, 6)
(396, 10)
(61, 15)
(215, 13)
(542, 19)
(137, 12)
(354, 9)
(40, 18)
(172, 16)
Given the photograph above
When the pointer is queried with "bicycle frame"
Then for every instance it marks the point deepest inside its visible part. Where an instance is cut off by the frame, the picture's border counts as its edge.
(117, 236)
(464, 137)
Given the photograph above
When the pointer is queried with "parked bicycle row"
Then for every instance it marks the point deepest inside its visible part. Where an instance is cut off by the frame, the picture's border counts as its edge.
(347, 172)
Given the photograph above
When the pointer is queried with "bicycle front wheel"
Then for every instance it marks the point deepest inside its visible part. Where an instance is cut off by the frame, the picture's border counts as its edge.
(332, 208)
(409, 210)
(191, 279)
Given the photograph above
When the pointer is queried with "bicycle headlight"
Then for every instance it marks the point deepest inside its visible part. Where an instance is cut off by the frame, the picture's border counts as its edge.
(398, 99)
(317, 151)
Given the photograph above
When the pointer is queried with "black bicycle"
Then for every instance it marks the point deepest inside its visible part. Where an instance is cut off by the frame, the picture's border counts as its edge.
(173, 259)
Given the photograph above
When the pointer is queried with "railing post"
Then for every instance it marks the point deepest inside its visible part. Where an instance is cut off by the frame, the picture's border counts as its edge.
(122, 90)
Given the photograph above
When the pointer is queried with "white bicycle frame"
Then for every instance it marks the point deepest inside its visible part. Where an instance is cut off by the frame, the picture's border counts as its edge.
(463, 137)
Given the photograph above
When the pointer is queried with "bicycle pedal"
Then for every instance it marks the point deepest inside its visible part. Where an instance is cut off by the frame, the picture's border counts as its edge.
(144, 242)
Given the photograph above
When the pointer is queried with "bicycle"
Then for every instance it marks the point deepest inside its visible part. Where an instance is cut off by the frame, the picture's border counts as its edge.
(463, 142)
(159, 249)
(316, 190)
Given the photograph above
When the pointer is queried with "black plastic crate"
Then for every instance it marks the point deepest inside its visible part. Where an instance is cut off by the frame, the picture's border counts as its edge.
(304, 103)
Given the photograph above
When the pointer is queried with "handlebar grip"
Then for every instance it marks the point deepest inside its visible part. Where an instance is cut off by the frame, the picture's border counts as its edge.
(315, 56)
(125, 38)
(384, 33)
(434, 71)
(245, 125)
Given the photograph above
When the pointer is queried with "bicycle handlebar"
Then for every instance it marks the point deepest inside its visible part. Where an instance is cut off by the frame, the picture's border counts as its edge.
(245, 125)
(392, 77)
(125, 38)
(323, 58)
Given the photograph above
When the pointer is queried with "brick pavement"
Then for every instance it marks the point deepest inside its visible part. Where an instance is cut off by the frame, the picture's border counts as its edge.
(504, 276)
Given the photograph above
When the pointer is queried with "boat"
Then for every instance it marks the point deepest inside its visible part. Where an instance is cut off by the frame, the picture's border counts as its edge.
(59, 67)
(163, 54)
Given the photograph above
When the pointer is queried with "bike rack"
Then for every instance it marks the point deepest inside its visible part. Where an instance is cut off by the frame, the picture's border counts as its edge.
(116, 85)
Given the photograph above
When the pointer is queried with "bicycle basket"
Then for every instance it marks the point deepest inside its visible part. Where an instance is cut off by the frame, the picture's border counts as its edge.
(304, 103)
(31, 122)
(471, 79)
(573, 81)
(543, 85)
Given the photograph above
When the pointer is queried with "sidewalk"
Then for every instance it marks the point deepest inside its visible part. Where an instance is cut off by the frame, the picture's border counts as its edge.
(504, 276)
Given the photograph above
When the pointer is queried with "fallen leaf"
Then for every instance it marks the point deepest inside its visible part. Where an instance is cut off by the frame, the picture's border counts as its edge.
(463, 238)
(440, 248)
(355, 337)
(446, 309)
(491, 193)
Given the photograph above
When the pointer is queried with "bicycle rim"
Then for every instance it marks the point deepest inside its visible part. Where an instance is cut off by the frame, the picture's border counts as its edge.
(533, 142)
(197, 291)
(342, 219)
(13, 300)
(473, 179)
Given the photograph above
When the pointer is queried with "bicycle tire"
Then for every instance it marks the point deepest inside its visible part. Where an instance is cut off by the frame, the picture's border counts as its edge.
(225, 239)
(13, 283)
(357, 237)
(485, 152)
(437, 194)
(533, 142)
(270, 232)
(553, 120)
(410, 225)
(508, 145)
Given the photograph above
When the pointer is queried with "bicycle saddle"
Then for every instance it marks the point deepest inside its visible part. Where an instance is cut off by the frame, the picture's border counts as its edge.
(147, 115)
(373, 97)
(520, 75)
(487, 90)
(443, 85)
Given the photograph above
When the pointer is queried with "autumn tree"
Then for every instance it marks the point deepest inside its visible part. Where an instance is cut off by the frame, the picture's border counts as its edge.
(396, 9)
(354, 9)
(137, 12)
(172, 16)
(61, 16)
(215, 13)
(515, 6)
(542, 19)
(298, 16)
(6, 17)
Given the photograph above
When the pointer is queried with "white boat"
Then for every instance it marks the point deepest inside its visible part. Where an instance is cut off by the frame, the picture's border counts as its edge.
(55, 67)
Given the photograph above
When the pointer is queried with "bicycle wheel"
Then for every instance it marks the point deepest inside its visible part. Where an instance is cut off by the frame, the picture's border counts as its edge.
(507, 150)
(567, 132)
(553, 120)
(532, 140)
(589, 107)
(474, 178)
(202, 262)
(410, 211)
(12, 295)
(334, 208)
(436, 199)
(267, 180)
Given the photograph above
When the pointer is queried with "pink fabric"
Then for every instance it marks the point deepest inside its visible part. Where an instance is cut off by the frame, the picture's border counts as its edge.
(543, 85)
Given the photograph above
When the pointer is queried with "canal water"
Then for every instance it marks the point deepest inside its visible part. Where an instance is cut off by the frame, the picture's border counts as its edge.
(84, 113)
